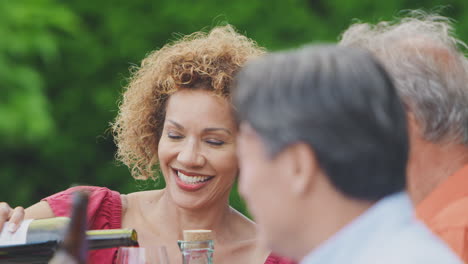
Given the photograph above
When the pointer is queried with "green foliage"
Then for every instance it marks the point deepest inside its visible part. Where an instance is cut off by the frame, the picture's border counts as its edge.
(30, 31)
(63, 65)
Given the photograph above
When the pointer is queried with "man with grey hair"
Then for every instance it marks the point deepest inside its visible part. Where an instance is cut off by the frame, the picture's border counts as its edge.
(431, 75)
(323, 148)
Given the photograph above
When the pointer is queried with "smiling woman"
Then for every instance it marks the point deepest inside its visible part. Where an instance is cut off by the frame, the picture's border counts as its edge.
(196, 151)
(176, 115)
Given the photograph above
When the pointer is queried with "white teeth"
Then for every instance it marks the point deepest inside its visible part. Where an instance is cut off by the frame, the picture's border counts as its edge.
(191, 179)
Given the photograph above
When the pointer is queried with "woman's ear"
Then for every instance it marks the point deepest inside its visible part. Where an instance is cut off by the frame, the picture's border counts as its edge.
(304, 168)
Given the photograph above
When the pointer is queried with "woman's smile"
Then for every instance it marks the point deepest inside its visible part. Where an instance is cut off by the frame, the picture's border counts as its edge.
(191, 181)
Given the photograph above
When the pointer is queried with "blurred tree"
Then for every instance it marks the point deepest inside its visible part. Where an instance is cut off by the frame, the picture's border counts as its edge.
(63, 65)
(30, 30)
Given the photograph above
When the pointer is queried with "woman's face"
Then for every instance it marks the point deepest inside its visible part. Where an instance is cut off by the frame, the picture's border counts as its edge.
(197, 149)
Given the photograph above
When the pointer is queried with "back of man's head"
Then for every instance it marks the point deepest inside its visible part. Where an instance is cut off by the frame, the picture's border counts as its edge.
(429, 69)
(341, 103)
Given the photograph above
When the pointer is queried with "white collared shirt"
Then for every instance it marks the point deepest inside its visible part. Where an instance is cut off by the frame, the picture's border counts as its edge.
(387, 232)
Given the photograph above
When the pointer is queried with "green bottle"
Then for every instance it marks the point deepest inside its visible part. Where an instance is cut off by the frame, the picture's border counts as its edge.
(36, 241)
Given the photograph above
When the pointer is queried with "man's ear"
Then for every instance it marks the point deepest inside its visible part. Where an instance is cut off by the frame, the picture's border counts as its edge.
(303, 168)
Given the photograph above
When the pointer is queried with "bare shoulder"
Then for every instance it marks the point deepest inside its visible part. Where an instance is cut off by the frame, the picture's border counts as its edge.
(124, 201)
(247, 240)
(243, 226)
(133, 203)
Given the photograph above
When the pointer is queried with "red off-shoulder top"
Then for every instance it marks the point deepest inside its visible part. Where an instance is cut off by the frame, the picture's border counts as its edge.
(105, 212)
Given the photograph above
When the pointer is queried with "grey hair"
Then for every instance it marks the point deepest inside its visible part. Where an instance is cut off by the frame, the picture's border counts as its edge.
(338, 101)
(429, 67)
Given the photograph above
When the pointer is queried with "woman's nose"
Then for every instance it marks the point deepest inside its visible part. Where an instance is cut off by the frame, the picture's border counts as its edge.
(190, 155)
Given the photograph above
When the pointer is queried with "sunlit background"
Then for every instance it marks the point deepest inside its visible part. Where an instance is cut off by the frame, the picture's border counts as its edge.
(63, 65)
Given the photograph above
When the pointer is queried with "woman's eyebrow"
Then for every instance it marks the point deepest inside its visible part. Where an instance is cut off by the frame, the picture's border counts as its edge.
(212, 129)
(208, 129)
(179, 126)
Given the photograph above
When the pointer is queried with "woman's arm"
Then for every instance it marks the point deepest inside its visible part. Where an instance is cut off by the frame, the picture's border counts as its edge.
(104, 208)
(18, 214)
(39, 210)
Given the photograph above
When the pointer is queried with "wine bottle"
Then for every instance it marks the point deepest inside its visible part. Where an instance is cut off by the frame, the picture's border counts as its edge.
(53, 229)
(197, 247)
(42, 251)
(41, 239)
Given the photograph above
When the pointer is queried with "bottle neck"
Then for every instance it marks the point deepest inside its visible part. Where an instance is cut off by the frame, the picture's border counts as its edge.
(99, 239)
(96, 239)
(197, 252)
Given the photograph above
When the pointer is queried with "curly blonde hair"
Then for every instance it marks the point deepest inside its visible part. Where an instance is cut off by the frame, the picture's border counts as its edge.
(197, 61)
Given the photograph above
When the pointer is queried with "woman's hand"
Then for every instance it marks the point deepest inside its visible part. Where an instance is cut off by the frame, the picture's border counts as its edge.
(8, 214)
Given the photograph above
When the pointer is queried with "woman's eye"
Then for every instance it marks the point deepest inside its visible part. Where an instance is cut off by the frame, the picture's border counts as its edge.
(172, 135)
(215, 142)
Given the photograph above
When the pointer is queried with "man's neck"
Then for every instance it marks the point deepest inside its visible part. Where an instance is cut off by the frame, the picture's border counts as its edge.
(432, 163)
(335, 214)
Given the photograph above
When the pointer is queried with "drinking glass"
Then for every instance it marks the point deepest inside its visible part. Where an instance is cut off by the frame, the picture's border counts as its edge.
(139, 255)
(131, 255)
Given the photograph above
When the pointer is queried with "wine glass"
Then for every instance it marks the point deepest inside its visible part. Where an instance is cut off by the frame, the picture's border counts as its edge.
(139, 255)
(161, 255)
(131, 255)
